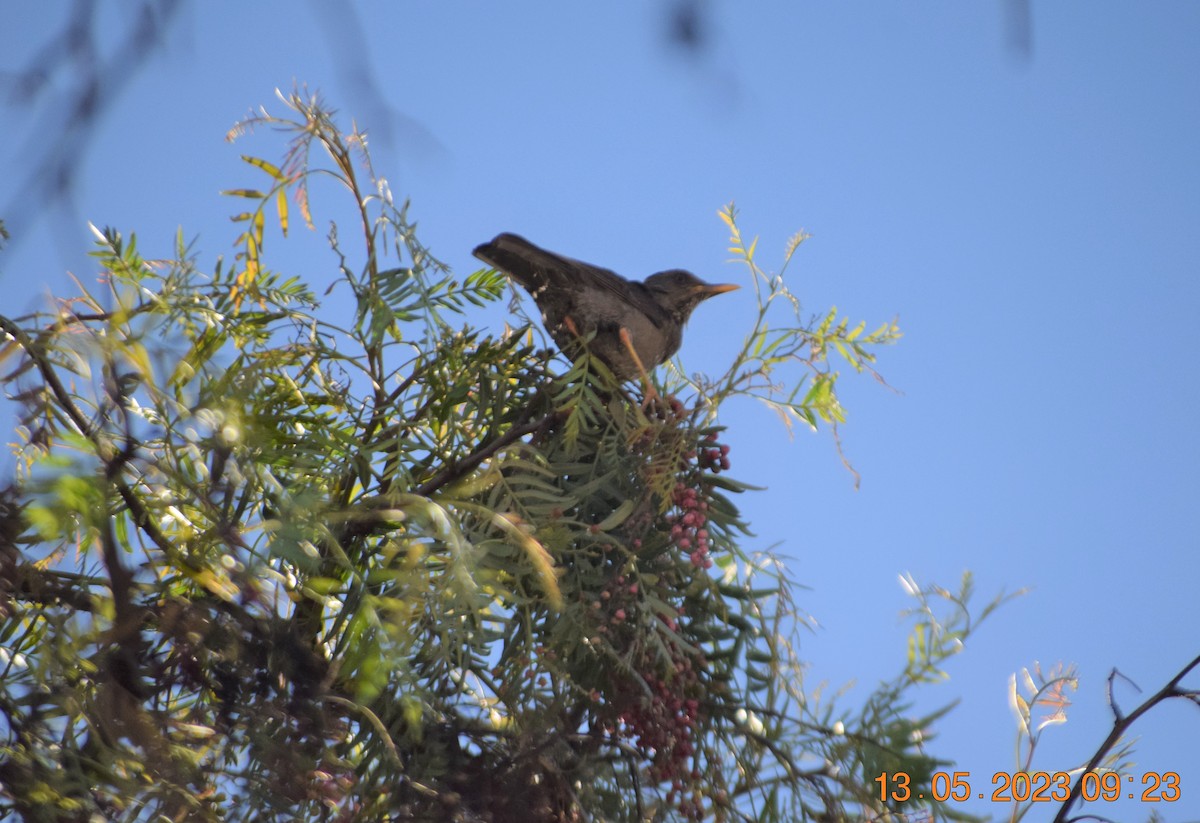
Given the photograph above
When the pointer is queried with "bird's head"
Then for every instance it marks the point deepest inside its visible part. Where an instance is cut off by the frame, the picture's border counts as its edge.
(680, 291)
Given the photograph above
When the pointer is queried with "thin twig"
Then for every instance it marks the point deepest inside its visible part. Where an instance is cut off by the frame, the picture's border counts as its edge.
(458, 468)
(1121, 725)
(141, 516)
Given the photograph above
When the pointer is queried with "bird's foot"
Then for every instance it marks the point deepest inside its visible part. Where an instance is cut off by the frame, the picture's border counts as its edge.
(652, 396)
(666, 408)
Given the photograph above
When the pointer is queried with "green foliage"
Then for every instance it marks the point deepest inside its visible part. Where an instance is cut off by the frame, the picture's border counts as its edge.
(259, 566)
(781, 342)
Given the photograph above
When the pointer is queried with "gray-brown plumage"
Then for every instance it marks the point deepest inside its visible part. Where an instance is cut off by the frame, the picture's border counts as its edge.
(577, 298)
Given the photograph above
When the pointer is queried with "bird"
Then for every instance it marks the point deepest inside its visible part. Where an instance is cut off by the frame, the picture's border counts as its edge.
(631, 326)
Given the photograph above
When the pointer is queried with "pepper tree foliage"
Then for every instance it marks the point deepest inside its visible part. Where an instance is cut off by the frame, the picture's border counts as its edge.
(259, 565)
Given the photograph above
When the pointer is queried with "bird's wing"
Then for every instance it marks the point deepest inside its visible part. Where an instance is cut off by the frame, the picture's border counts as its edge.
(536, 268)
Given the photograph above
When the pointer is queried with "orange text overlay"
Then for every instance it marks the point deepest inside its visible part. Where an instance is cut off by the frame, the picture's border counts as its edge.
(1035, 787)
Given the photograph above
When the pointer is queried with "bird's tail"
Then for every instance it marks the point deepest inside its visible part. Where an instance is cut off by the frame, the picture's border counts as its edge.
(531, 266)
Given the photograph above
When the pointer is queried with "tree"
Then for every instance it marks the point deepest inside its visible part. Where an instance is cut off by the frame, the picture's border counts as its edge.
(256, 565)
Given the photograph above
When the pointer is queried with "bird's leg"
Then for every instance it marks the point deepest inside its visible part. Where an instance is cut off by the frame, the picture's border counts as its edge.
(651, 393)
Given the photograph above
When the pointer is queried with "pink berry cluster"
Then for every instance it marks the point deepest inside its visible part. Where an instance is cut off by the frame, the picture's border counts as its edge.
(617, 603)
(688, 525)
(662, 726)
(690, 520)
(712, 455)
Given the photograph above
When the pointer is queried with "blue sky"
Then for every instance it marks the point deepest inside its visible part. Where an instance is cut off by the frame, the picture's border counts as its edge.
(1031, 221)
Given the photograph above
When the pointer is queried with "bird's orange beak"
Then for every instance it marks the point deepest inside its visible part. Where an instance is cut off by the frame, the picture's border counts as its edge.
(709, 289)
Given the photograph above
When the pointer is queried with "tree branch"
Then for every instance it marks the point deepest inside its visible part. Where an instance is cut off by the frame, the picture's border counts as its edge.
(459, 468)
(141, 516)
(1121, 725)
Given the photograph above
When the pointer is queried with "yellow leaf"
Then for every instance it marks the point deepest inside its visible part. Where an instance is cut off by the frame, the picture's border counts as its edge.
(265, 166)
(282, 205)
(8, 349)
(140, 358)
(543, 563)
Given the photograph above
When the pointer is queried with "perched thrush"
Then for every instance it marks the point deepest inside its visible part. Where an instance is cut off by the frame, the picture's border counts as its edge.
(636, 325)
